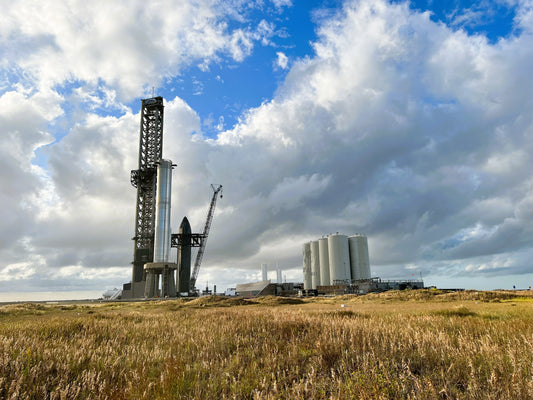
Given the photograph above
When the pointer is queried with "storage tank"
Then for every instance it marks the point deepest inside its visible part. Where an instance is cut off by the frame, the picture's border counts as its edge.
(264, 273)
(306, 252)
(315, 264)
(339, 259)
(324, 261)
(359, 260)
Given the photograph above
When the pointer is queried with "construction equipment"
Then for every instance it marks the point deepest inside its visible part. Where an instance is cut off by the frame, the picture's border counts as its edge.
(217, 189)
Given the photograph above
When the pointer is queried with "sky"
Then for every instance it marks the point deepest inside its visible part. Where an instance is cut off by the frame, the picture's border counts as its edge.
(410, 122)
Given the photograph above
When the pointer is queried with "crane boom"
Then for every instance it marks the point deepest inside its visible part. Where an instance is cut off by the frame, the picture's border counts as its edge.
(216, 190)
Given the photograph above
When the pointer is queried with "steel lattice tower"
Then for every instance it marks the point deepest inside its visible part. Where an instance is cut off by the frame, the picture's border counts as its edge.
(145, 180)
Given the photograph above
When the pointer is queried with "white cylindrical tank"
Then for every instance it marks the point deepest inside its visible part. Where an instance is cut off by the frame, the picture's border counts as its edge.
(306, 252)
(339, 259)
(324, 261)
(264, 272)
(315, 264)
(359, 259)
(162, 211)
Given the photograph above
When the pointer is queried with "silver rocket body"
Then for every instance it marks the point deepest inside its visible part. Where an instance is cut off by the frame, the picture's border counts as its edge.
(162, 211)
(161, 267)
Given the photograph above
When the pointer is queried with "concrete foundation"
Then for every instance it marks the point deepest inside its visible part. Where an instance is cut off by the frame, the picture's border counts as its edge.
(160, 273)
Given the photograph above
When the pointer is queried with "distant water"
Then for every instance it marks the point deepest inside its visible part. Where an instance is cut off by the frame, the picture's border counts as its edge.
(50, 296)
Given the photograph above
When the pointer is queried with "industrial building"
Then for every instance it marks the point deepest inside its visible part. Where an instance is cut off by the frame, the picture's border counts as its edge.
(339, 264)
(335, 260)
(363, 286)
(332, 265)
(265, 288)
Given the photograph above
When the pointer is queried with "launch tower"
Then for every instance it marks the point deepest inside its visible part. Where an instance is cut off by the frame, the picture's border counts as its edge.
(145, 180)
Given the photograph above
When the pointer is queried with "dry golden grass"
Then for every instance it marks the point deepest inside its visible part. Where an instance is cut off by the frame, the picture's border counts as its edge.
(396, 345)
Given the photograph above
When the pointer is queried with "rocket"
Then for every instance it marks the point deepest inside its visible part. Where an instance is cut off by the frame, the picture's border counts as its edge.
(184, 257)
(161, 267)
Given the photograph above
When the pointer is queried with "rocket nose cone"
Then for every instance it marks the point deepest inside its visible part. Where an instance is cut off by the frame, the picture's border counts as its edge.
(185, 227)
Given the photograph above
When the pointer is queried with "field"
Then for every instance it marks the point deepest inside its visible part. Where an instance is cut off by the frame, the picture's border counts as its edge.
(395, 345)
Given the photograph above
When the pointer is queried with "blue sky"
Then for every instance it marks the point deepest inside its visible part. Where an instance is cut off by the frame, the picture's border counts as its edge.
(410, 122)
(228, 89)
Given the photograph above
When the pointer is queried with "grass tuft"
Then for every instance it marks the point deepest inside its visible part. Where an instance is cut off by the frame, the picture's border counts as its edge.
(460, 311)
